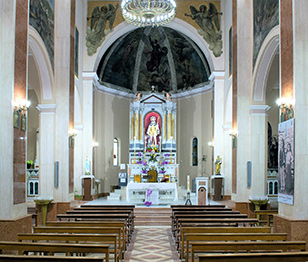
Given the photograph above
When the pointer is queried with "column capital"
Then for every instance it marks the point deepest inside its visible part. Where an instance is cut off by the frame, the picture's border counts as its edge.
(259, 109)
(89, 76)
(46, 108)
(217, 75)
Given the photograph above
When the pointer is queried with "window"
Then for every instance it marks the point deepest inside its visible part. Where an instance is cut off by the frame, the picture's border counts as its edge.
(195, 152)
(115, 152)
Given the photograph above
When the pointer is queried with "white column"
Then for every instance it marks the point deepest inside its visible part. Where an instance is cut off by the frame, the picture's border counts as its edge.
(47, 149)
(259, 149)
(244, 96)
(7, 62)
(219, 112)
(79, 159)
(61, 84)
(227, 160)
(300, 85)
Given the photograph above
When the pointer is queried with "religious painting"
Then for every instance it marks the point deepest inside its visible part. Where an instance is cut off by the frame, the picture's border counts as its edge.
(42, 19)
(266, 17)
(16, 119)
(159, 57)
(207, 17)
(76, 60)
(101, 20)
(195, 151)
(152, 130)
(286, 162)
(23, 122)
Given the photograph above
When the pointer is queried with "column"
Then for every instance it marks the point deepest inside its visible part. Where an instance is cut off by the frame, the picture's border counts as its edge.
(259, 149)
(219, 113)
(243, 96)
(7, 47)
(47, 149)
(169, 120)
(165, 125)
(62, 86)
(132, 123)
(173, 125)
(136, 135)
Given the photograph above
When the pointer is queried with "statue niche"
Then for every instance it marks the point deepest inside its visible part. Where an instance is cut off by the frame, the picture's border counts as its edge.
(152, 123)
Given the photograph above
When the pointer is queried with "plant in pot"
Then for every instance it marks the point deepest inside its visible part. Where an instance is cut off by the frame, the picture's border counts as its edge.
(29, 164)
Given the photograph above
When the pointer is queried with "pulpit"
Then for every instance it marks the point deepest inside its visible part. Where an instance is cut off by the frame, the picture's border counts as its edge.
(87, 182)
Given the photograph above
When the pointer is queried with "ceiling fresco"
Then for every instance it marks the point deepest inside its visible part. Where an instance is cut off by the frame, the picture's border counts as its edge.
(160, 57)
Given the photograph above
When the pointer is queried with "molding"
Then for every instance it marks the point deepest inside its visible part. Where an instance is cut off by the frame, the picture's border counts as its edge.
(217, 75)
(46, 108)
(259, 109)
(88, 76)
(79, 127)
(264, 61)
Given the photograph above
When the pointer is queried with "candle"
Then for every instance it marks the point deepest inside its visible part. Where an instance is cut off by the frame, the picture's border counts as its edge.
(159, 149)
(188, 183)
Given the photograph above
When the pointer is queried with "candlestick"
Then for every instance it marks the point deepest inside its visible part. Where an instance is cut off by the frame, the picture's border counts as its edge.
(134, 150)
(159, 149)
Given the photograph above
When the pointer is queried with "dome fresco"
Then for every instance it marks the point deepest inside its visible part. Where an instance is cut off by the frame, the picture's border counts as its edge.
(160, 57)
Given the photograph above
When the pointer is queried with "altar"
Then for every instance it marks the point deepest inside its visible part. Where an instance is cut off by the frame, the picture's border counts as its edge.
(156, 193)
(152, 149)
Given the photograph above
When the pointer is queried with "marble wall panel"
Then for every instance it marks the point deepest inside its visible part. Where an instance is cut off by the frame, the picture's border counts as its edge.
(10, 228)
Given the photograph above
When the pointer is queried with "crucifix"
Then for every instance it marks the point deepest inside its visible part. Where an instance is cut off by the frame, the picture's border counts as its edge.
(153, 87)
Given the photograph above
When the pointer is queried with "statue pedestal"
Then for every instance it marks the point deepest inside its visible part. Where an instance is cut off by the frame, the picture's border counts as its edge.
(43, 203)
(217, 185)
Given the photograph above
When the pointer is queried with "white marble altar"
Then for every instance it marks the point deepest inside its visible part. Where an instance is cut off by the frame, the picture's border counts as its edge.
(161, 192)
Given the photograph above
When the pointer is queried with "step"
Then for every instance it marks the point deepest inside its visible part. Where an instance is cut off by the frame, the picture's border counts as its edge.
(153, 219)
(151, 223)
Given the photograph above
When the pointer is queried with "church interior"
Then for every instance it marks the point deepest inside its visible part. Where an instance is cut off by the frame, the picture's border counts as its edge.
(161, 116)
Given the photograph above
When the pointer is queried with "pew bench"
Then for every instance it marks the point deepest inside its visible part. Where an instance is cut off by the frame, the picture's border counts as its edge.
(268, 213)
(84, 230)
(206, 237)
(256, 257)
(247, 247)
(52, 248)
(21, 258)
(110, 239)
(217, 230)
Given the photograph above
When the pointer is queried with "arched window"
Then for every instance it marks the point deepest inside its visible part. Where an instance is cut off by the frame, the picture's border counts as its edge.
(195, 151)
(270, 188)
(276, 187)
(115, 152)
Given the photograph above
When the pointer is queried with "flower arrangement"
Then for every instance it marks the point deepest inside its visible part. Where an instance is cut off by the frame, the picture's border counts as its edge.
(162, 170)
(153, 156)
(148, 194)
(29, 164)
(153, 148)
(144, 171)
(140, 158)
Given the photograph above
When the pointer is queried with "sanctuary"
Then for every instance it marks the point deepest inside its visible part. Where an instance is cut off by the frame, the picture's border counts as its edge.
(153, 148)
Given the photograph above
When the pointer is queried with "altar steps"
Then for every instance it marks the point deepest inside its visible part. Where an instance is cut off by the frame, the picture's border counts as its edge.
(152, 216)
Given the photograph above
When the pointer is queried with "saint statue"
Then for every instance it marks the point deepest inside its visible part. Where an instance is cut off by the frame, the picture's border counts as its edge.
(153, 131)
(218, 165)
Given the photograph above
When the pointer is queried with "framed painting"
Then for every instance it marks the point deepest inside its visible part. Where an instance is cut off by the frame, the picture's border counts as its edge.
(76, 60)
(23, 122)
(16, 119)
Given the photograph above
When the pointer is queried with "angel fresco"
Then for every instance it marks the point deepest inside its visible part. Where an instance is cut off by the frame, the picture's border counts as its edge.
(208, 20)
(97, 32)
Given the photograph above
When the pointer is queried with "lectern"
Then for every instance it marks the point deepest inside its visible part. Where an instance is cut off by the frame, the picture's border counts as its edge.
(217, 186)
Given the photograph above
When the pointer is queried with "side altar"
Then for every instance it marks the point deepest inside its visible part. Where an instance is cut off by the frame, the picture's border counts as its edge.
(153, 148)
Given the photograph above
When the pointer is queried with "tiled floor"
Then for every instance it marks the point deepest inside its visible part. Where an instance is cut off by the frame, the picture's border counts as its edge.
(152, 243)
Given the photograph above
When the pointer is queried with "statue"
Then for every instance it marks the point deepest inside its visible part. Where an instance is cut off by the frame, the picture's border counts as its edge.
(153, 131)
(208, 19)
(218, 165)
(96, 33)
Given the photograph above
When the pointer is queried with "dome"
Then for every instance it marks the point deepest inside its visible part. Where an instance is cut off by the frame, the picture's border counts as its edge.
(153, 56)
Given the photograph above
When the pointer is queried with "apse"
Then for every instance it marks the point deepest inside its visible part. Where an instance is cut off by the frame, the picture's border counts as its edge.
(154, 56)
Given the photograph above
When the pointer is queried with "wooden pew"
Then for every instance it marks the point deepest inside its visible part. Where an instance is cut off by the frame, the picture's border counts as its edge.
(269, 213)
(205, 237)
(256, 257)
(120, 224)
(83, 230)
(235, 247)
(20, 258)
(77, 238)
(52, 248)
(215, 230)
(223, 222)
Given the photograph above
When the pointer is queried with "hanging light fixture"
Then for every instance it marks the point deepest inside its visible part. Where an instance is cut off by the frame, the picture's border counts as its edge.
(148, 12)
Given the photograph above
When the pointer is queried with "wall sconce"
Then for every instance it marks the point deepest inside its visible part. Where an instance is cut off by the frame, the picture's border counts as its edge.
(233, 133)
(210, 144)
(71, 138)
(95, 144)
(286, 108)
(22, 105)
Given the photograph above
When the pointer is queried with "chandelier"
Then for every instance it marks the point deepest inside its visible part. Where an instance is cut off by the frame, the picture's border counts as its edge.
(148, 12)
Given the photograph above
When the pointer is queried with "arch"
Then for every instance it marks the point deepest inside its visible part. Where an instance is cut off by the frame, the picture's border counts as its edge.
(264, 61)
(41, 58)
(176, 24)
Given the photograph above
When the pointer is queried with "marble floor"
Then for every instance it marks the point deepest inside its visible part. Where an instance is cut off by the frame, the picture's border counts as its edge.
(152, 243)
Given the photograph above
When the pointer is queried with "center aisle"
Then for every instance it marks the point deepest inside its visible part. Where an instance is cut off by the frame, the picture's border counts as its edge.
(152, 243)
